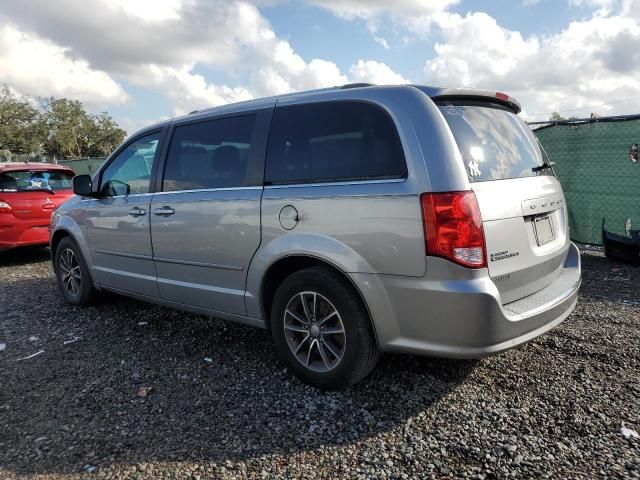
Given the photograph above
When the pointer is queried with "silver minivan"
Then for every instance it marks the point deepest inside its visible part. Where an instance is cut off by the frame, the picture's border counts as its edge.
(347, 221)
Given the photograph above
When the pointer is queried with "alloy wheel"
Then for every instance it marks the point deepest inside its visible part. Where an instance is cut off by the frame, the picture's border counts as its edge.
(314, 331)
(70, 272)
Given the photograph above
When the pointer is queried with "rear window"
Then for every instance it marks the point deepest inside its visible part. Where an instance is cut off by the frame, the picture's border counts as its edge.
(333, 141)
(30, 180)
(494, 143)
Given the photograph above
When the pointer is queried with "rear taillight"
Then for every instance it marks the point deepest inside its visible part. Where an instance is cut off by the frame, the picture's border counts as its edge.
(5, 207)
(453, 227)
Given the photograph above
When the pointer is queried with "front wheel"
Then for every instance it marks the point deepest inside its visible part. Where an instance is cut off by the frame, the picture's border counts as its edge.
(322, 329)
(72, 274)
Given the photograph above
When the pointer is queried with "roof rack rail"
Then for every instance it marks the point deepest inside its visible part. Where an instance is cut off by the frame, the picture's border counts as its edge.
(356, 85)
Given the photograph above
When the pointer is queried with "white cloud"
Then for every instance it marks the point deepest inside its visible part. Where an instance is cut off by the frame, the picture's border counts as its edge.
(161, 45)
(82, 49)
(113, 37)
(381, 41)
(630, 8)
(188, 91)
(591, 62)
(161, 50)
(475, 48)
(35, 66)
(368, 9)
(602, 7)
(375, 72)
(149, 10)
(414, 16)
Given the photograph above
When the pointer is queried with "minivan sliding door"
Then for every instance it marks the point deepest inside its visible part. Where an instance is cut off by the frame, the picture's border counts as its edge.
(205, 220)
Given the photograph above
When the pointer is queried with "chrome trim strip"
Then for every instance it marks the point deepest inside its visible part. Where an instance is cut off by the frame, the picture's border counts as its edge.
(221, 189)
(198, 264)
(199, 286)
(319, 184)
(331, 184)
(127, 255)
(125, 274)
(123, 196)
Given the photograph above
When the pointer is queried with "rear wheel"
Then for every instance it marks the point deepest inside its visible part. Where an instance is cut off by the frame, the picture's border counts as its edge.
(72, 274)
(322, 329)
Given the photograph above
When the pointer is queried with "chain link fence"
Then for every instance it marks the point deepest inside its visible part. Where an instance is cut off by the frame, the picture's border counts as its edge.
(598, 165)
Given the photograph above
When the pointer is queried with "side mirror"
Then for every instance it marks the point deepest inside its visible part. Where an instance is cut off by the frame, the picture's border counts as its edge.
(82, 185)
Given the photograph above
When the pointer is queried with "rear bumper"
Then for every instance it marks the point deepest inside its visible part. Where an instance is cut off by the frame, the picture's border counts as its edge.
(22, 233)
(465, 318)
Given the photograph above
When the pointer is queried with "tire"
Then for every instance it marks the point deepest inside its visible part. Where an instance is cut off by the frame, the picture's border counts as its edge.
(337, 359)
(84, 292)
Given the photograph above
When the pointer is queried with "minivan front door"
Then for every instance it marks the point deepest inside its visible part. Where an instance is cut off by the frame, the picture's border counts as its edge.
(118, 221)
(205, 221)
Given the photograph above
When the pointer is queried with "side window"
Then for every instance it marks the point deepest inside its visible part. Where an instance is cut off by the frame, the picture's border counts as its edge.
(130, 171)
(333, 141)
(211, 154)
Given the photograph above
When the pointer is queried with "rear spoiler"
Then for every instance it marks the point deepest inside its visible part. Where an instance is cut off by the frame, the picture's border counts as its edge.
(458, 94)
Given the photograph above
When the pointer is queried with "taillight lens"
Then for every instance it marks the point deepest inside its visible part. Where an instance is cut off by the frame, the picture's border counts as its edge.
(5, 207)
(453, 227)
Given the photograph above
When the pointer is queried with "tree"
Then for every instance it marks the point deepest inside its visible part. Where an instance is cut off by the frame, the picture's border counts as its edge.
(21, 129)
(65, 120)
(104, 136)
(61, 128)
(556, 117)
(73, 133)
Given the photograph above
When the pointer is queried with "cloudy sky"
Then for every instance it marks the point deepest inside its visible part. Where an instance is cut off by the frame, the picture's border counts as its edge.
(143, 60)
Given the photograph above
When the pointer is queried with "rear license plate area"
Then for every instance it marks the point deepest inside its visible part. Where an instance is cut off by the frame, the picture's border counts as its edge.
(543, 229)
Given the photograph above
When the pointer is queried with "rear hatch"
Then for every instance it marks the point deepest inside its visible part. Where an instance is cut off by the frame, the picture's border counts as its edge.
(35, 194)
(523, 208)
(34, 205)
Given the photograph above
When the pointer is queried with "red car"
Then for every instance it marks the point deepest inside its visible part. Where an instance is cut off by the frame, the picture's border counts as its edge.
(29, 193)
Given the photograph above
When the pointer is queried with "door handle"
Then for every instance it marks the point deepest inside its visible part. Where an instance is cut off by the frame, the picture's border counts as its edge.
(164, 211)
(137, 212)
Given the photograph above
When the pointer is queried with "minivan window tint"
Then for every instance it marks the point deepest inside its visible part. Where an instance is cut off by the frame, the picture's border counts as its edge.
(494, 143)
(333, 141)
(131, 169)
(211, 154)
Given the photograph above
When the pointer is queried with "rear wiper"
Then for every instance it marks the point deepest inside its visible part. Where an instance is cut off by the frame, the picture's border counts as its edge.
(544, 166)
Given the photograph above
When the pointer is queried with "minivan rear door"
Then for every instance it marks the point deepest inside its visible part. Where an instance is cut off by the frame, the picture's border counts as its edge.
(521, 201)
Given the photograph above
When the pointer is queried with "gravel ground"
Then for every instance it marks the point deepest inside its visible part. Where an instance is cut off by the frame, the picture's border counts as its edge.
(219, 405)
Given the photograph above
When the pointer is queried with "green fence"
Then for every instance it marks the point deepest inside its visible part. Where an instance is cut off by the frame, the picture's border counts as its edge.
(80, 165)
(600, 173)
(83, 165)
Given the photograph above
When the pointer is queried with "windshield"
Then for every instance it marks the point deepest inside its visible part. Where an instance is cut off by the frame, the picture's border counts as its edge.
(29, 180)
(494, 143)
